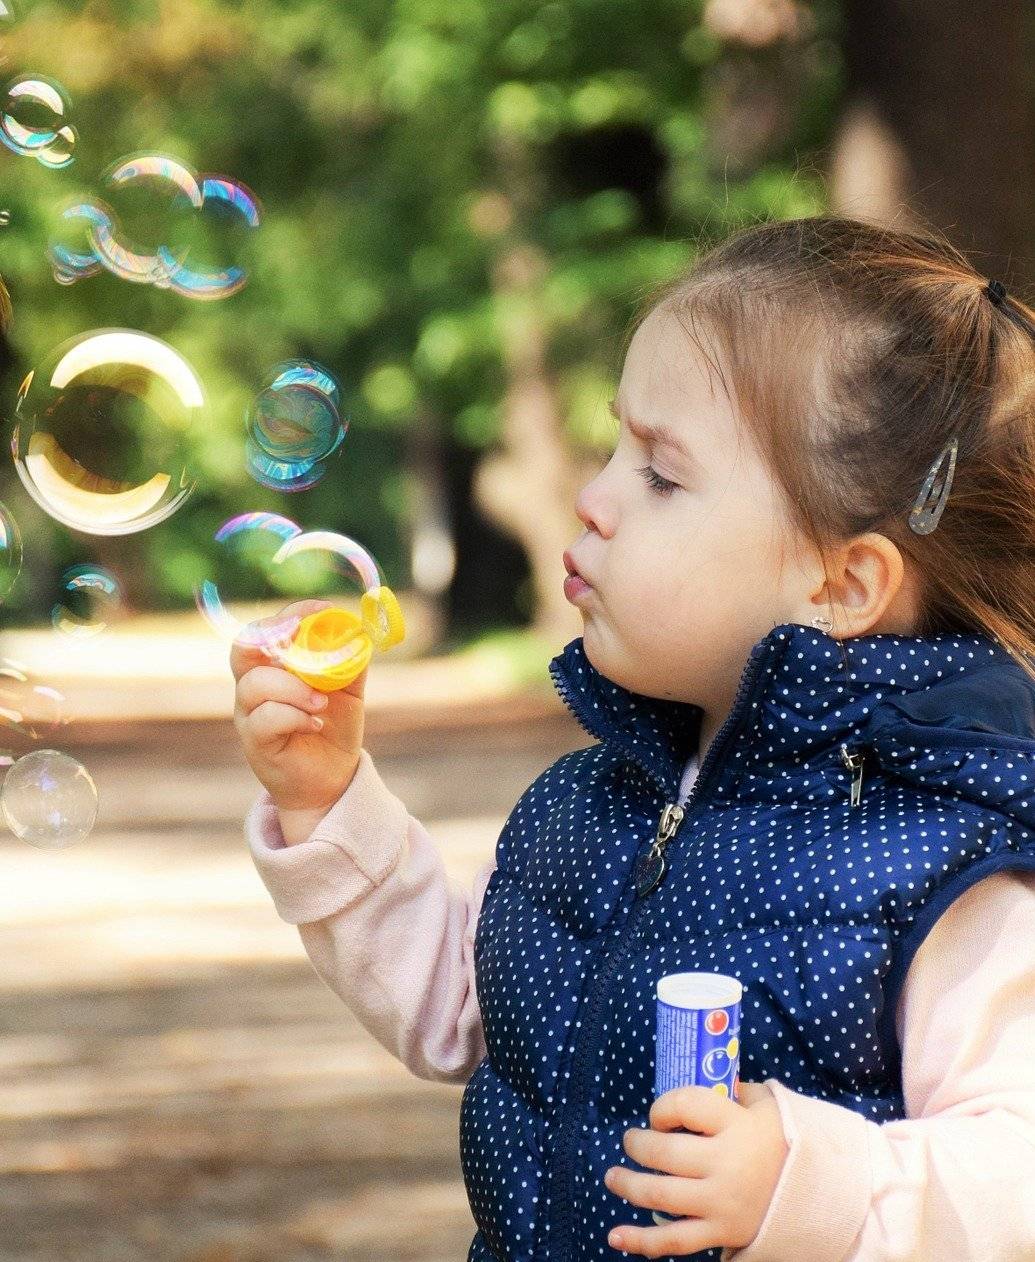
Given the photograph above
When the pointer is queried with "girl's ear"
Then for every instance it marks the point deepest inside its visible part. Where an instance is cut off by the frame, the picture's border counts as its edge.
(867, 589)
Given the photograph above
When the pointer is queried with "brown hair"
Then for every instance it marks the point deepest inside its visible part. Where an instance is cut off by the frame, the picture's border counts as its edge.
(5, 308)
(855, 352)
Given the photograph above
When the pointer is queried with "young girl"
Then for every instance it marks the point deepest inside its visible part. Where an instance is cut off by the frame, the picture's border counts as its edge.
(807, 581)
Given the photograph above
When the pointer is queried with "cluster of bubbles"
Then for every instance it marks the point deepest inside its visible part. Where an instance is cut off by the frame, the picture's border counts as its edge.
(100, 442)
(99, 242)
(47, 798)
(103, 431)
(293, 425)
(33, 121)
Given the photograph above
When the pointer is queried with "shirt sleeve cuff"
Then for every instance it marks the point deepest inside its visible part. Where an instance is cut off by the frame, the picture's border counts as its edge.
(825, 1188)
(352, 849)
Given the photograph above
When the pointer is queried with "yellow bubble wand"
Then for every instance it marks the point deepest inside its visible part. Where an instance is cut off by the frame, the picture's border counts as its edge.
(331, 647)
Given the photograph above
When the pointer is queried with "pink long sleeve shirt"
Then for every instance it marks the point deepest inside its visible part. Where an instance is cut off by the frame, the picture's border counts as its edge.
(954, 1181)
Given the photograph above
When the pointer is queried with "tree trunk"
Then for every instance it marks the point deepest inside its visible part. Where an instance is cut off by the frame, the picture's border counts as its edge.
(529, 486)
(938, 120)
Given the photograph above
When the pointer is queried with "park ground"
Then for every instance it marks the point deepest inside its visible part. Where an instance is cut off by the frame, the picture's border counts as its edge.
(176, 1082)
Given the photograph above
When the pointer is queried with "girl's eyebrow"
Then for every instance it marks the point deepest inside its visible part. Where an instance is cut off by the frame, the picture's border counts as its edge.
(660, 434)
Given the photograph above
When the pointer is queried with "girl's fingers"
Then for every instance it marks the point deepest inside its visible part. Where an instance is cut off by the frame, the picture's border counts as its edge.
(271, 683)
(273, 720)
(244, 657)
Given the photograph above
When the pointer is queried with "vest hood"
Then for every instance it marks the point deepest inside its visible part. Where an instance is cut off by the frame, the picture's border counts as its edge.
(953, 713)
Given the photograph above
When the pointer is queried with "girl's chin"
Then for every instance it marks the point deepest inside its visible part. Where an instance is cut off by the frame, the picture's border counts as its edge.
(608, 664)
(616, 667)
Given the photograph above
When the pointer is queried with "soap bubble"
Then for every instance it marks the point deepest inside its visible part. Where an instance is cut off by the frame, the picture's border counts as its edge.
(248, 544)
(280, 475)
(226, 207)
(49, 799)
(102, 432)
(28, 711)
(163, 200)
(10, 551)
(72, 255)
(293, 425)
(32, 121)
(153, 191)
(290, 560)
(89, 593)
(296, 417)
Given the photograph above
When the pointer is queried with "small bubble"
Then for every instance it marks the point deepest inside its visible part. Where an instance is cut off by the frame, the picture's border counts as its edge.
(49, 799)
(5, 218)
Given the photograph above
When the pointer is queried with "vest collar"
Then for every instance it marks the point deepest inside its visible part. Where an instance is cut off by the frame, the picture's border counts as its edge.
(803, 693)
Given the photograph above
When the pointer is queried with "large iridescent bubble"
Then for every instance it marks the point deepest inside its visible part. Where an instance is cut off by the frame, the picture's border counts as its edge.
(103, 432)
(318, 561)
(49, 799)
(293, 425)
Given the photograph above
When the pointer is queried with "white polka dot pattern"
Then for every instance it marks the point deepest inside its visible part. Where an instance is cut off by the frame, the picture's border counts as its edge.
(816, 905)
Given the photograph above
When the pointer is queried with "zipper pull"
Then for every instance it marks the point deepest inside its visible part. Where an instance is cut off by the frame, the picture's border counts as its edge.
(651, 866)
(854, 762)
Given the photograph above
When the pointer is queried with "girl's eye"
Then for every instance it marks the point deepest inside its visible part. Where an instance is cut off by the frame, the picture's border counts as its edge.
(656, 482)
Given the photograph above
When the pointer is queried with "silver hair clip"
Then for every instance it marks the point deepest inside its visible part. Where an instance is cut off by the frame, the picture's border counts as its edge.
(930, 503)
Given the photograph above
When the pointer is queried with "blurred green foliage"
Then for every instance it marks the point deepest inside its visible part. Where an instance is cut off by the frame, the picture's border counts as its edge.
(394, 148)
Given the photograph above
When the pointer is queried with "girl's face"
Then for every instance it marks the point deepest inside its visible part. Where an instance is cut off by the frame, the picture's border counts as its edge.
(685, 535)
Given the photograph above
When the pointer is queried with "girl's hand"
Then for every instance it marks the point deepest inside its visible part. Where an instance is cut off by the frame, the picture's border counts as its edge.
(302, 744)
(724, 1176)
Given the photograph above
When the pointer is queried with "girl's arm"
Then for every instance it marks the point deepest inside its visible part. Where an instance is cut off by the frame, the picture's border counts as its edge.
(955, 1178)
(381, 922)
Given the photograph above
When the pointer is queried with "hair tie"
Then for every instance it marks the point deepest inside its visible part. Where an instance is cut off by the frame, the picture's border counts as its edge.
(996, 293)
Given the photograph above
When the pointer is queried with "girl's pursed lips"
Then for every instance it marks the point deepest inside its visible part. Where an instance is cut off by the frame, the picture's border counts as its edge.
(573, 569)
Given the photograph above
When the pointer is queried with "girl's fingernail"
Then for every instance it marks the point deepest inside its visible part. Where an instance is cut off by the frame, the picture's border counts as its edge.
(318, 701)
(615, 1239)
(316, 721)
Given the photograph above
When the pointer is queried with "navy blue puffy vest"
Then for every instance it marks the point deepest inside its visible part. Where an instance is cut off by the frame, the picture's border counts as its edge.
(774, 876)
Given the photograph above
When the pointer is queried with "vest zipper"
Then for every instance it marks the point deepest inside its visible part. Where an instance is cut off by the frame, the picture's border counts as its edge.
(563, 1173)
(854, 762)
(651, 867)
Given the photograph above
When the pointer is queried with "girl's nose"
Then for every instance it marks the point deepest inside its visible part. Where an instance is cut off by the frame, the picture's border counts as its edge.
(592, 508)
